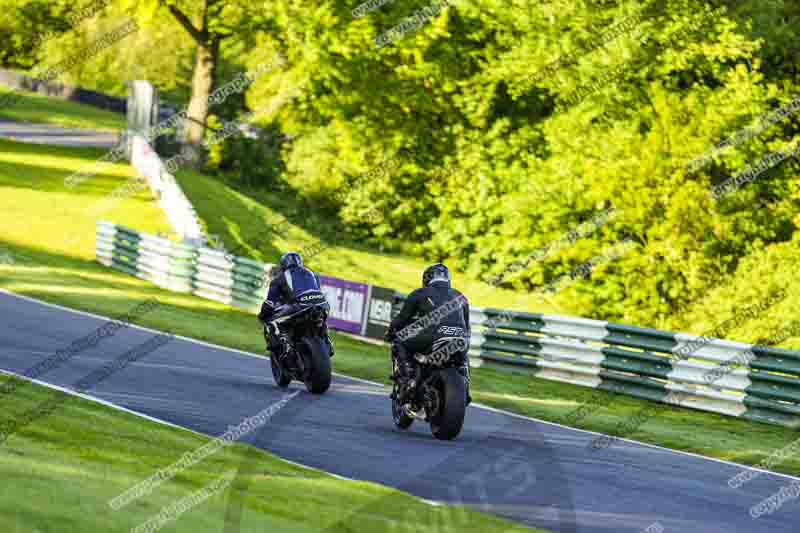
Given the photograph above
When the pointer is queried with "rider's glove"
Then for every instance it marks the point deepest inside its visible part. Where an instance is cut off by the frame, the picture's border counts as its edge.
(389, 337)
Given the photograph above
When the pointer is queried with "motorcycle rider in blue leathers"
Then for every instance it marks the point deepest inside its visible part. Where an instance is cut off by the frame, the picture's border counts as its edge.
(294, 288)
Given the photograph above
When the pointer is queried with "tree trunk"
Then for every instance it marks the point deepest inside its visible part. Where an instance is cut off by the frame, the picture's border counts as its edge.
(197, 113)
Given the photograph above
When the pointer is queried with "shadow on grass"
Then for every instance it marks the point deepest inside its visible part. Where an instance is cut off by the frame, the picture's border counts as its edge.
(89, 286)
(245, 219)
(45, 178)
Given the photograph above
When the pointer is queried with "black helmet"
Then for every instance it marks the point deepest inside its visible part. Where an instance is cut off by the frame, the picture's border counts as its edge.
(291, 259)
(434, 273)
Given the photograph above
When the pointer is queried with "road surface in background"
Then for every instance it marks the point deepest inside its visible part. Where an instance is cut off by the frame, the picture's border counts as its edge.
(50, 134)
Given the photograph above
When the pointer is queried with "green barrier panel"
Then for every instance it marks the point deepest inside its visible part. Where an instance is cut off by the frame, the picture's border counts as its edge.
(132, 254)
(253, 282)
(125, 258)
(779, 353)
(248, 263)
(521, 315)
(773, 387)
(643, 342)
(503, 358)
(643, 363)
(519, 338)
(776, 364)
(638, 367)
(519, 325)
(125, 247)
(639, 387)
(123, 233)
(124, 267)
(504, 347)
(771, 412)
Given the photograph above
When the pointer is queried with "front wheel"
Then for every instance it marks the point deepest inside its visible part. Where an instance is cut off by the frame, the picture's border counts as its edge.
(451, 393)
(314, 352)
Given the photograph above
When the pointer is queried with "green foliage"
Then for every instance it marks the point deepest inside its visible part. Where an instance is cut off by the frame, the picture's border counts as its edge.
(25, 24)
(766, 270)
(511, 122)
(483, 136)
(255, 161)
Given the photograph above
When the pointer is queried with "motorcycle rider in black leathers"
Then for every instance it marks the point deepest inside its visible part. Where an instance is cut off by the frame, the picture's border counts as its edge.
(435, 293)
(290, 291)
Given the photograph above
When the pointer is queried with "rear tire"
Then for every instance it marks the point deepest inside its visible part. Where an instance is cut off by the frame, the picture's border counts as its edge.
(282, 379)
(447, 423)
(314, 352)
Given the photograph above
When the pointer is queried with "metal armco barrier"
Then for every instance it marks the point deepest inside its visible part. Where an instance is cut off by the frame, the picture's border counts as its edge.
(212, 274)
(731, 378)
(726, 377)
(170, 196)
(241, 283)
(167, 264)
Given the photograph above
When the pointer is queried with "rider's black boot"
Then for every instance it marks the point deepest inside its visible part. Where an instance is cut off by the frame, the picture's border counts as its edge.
(328, 339)
(404, 377)
(464, 371)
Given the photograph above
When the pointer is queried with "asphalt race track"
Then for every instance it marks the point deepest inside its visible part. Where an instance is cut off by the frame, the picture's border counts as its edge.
(49, 134)
(534, 472)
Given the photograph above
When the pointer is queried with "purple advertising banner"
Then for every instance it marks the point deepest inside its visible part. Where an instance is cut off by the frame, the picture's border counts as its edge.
(348, 301)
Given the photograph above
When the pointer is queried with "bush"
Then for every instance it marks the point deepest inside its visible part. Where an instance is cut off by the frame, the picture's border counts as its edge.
(253, 157)
(761, 273)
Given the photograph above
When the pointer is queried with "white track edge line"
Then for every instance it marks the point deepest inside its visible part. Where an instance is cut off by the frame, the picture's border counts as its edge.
(164, 422)
(478, 405)
(190, 430)
(151, 330)
(645, 444)
(91, 398)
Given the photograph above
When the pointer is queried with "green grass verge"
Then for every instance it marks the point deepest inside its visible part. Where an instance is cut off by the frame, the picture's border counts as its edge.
(60, 472)
(41, 214)
(34, 107)
(84, 454)
(72, 278)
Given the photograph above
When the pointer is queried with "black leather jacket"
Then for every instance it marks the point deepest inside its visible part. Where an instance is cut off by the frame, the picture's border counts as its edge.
(431, 313)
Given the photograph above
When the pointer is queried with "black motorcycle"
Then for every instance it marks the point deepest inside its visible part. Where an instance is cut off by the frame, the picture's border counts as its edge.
(306, 356)
(436, 393)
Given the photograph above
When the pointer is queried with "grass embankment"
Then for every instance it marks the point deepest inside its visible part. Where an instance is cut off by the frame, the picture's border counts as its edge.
(72, 462)
(33, 107)
(72, 278)
(59, 474)
(250, 221)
